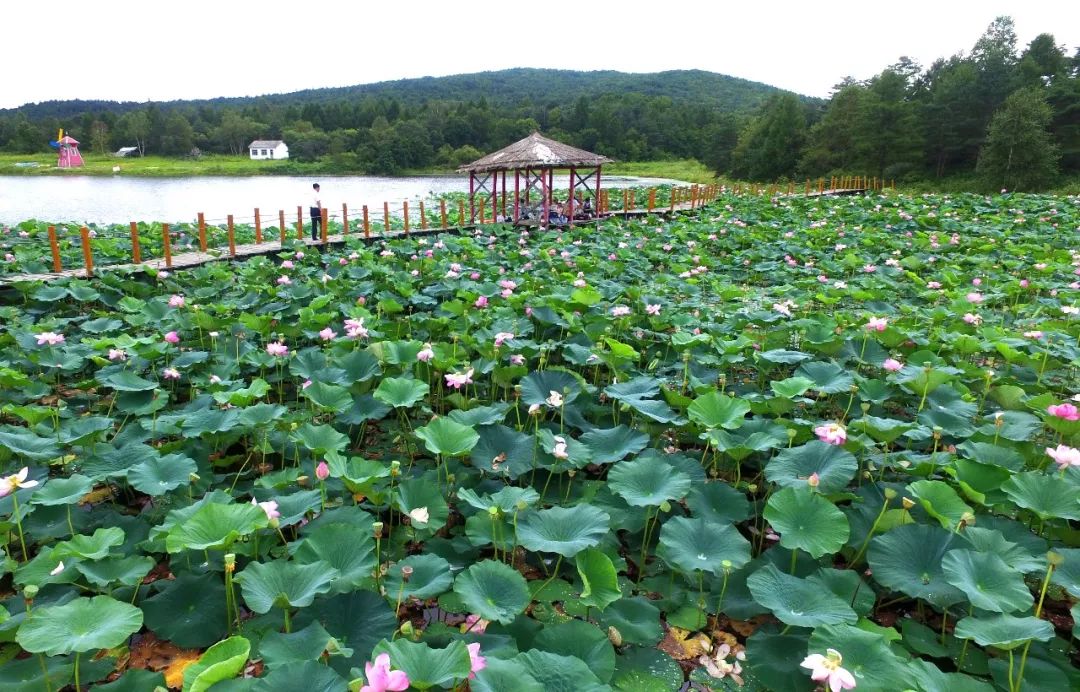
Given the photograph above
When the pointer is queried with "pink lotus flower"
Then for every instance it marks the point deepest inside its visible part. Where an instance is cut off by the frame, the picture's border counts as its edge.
(10, 484)
(892, 365)
(176, 301)
(355, 329)
(502, 337)
(170, 374)
(425, 354)
(50, 338)
(381, 679)
(475, 276)
(214, 379)
(270, 507)
(831, 433)
(283, 280)
(477, 661)
(1024, 283)
(974, 297)
(458, 380)
(299, 255)
(652, 309)
(827, 668)
(172, 338)
(287, 264)
(481, 302)
(1064, 456)
(559, 451)
(620, 311)
(117, 354)
(322, 471)
(277, 348)
(933, 284)
(1035, 334)
(517, 359)
(327, 334)
(1064, 411)
(474, 623)
(973, 318)
(877, 324)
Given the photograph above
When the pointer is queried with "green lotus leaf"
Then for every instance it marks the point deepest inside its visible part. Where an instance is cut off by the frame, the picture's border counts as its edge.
(718, 502)
(834, 466)
(985, 540)
(188, 611)
(1048, 496)
(27, 675)
(430, 577)
(26, 444)
(92, 547)
(599, 579)
(796, 601)
(564, 530)
(908, 559)
(807, 521)
(1004, 631)
(245, 395)
(1067, 574)
(127, 381)
(828, 377)
(401, 392)
(357, 619)
(428, 667)
(639, 394)
(783, 356)
(363, 408)
(209, 421)
(360, 365)
(639, 669)
(986, 581)
(310, 676)
(715, 410)
(62, 491)
(504, 676)
(422, 493)
(582, 640)
(328, 396)
(791, 387)
(222, 661)
(755, 435)
(647, 482)
(769, 662)
(848, 585)
(307, 644)
(342, 547)
(636, 619)
(867, 655)
(215, 526)
(695, 544)
(84, 624)
(493, 590)
(560, 673)
(941, 502)
(480, 415)
(280, 583)
(510, 451)
(444, 436)
(321, 439)
(536, 387)
(609, 445)
(160, 475)
(128, 570)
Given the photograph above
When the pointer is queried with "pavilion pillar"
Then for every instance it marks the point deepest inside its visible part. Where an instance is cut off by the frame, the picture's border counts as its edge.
(517, 193)
(596, 201)
(570, 200)
(472, 196)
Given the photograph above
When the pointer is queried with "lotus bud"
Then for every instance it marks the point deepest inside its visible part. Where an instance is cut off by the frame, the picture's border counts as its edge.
(451, 478)
(407, 628)
(967, 519)
(30, 591)
(302, 480)
(521, 505)
(395, 468)
(406, 573)
(867, 475)
(665, 506)
(322, 471)
(614, 636)
(1054, 559)
(194, 477)
(814, 480)
(791, 434)
(865, 406)
(376, 529)
(907, 502)
(726, 564)
(274, 523)
(752, 487)
(937, 432)
(890, 494)
(230, 562)
(494, 511)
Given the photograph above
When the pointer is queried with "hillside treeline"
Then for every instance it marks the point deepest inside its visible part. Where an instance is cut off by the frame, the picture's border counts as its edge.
(1000, 115)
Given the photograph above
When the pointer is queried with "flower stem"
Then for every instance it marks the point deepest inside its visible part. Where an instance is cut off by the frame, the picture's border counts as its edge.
(22, 539)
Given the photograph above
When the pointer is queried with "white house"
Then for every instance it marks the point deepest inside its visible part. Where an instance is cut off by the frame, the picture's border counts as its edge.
(268, 149)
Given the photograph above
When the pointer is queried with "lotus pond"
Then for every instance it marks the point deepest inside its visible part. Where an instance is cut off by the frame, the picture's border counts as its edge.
(780, 444)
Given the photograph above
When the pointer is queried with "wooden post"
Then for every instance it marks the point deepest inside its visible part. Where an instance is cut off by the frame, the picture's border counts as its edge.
(55, 247)
(202, 232)
(405, 206)
(166, 245)
(232, 236)
(674, 194)
(442, 212)
(652, 199)
(483, 208)
(386, 216)
(367, 224)
(299, 223)
(136, 252)
(258, 227)
(461, 213)
(281, 227)
(344, 219)
(324, 231)
(87, 253)
(423, 217)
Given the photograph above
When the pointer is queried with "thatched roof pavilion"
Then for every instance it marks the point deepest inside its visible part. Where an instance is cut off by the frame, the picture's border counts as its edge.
(534, 161)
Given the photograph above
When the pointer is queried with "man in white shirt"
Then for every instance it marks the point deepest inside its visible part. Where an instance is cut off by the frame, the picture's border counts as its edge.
(316, 211)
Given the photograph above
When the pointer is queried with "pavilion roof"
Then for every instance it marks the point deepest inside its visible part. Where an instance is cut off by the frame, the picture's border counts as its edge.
(535, 151)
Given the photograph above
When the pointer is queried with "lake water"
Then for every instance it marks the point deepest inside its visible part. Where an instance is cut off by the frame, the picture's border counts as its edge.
(119, 199)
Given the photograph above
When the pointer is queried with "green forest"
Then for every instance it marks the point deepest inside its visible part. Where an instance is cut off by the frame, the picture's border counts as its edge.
(997, 115)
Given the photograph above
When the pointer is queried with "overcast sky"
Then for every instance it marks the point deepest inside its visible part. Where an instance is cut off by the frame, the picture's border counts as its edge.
(139, 50)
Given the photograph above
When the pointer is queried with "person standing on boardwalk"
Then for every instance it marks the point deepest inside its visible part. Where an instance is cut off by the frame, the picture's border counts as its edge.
(316, 211)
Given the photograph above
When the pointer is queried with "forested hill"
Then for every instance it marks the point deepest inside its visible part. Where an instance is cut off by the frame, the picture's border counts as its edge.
(502, 88)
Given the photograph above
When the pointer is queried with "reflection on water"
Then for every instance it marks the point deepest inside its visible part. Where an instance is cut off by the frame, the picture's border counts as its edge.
(89, 199)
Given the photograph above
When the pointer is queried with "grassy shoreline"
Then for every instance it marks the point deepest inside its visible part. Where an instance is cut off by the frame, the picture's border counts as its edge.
(217, 165)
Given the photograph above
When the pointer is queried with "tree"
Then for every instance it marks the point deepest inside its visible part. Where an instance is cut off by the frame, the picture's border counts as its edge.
(886, 133)
(177, 137)
(1019, 153)
(99, 136)
(831, 141)
(136, 127)
(770, 146)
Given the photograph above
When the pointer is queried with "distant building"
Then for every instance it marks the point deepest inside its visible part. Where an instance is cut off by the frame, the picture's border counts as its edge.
(268, 149)
(126, 151)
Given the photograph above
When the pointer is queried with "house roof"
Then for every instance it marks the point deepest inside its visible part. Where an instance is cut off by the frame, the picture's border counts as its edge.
(536, 151)
(265, 143)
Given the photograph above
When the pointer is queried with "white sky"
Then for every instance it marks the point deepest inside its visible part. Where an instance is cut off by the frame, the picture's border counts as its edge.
(139, 50)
